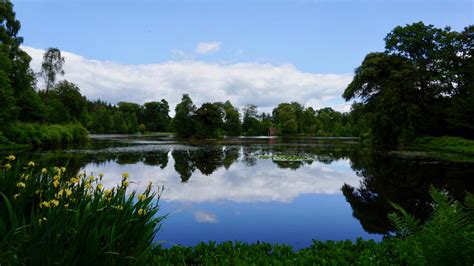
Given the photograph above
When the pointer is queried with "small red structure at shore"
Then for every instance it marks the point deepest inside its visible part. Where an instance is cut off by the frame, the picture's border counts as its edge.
(272, 131)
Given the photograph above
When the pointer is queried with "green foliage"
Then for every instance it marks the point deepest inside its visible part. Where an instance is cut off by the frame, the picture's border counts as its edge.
(250, 123)
(156, 116)
(48, 216)
(319, 253)
(447, 144)
(420, 85)
(447, 238)
(141, 128)
(404, 224)
(208, 121)
(385, 84)
(183, 119)
(7, 100)
(232, 125)
(45, 135)
(255, 124)
(287, 117)
(16, 78)
(100, 120)
(64, 103)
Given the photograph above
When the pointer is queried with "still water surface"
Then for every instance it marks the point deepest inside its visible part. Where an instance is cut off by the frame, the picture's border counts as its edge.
(234, 189)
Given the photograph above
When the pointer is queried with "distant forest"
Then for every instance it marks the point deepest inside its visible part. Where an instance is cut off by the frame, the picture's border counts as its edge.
(422, 84)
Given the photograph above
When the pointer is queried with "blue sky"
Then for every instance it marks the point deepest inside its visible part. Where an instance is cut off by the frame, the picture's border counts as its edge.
(324, 37)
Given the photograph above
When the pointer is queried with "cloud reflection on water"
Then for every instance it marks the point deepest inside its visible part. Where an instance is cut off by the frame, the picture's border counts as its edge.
(240, 182)
(205, 217)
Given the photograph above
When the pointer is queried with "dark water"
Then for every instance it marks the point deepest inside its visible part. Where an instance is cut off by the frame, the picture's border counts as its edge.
(234, 190)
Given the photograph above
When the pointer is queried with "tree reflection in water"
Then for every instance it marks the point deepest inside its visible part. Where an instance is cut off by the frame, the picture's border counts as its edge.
(385, 178)
(183, 163)
(158, 158)
(403, 181)
(209, 159)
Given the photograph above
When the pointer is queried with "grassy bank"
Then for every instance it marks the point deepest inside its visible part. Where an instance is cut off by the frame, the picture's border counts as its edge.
(43, 135)
(446, 144)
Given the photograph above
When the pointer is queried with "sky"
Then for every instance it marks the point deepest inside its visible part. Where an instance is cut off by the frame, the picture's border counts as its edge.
(251, 52)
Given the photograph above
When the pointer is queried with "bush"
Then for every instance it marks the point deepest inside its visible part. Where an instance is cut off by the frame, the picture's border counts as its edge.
(362, 252)
(45, 135)
(447, 238)
(48, 216)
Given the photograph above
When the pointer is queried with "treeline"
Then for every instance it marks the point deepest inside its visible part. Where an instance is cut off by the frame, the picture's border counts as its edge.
(57, 113)
(213, 120)
(26, 111)
(422, 84)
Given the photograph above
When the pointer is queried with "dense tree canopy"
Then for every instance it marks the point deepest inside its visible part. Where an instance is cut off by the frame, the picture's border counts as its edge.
(183, 119)
(232, 125)
(156, 116)
(17, 81)
(420, 85)
(208, 121)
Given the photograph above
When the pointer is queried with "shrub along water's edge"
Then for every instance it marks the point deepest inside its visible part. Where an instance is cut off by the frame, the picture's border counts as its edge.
(42, 135)
(447, 238)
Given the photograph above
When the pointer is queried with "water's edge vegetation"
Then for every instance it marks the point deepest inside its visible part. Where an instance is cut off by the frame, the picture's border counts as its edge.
(42, 135)
(74, 220)
(446, 144)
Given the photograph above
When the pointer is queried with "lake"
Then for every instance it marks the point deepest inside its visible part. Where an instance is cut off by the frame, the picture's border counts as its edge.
(278, 190)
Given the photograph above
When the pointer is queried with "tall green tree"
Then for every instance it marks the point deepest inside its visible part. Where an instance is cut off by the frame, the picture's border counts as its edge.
(308, 118)
(183, 119)
(100, 120)
(232, 125)
(287, 117)
(7, 100)
(70, 96)
(17, 80)
(420, 85)
(208, 121)
(156, 116)
(460, 113)
(385, 84)
(52, 66)
(250, 120)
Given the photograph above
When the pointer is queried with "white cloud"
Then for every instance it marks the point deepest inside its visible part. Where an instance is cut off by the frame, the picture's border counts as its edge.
(265, 85)
(205, 217)
(207, 47)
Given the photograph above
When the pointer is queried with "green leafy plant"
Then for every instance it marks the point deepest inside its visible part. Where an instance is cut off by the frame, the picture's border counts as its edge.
(447, 238)
(49, 216)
